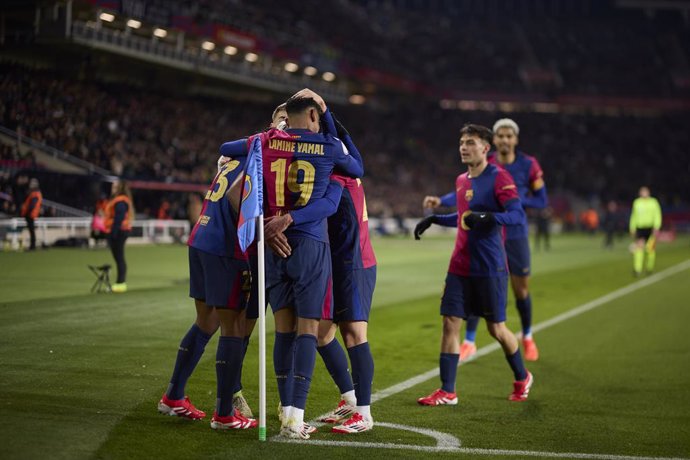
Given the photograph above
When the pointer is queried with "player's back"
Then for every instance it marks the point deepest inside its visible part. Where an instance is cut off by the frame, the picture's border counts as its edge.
(348, 228)
(215, 231)
(297, 165)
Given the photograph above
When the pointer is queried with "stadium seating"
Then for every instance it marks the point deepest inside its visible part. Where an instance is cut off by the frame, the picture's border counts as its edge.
(409, 151)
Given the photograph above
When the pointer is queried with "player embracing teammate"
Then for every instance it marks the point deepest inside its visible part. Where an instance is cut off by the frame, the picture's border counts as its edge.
(301, 191)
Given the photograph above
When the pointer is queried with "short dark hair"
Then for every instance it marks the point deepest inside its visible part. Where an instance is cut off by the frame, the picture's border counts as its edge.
(297, 105)
(480, 131)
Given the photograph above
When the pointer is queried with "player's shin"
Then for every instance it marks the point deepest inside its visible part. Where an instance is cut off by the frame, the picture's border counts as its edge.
(335, 360)
(517, 365)
(524, 307)
(471, 328)
(448, 365)
(282, 364)
(363, 376)
(305, 358)
(651, 259)
(237, 386)
(638, 259)
(191, 349)
(228, 362)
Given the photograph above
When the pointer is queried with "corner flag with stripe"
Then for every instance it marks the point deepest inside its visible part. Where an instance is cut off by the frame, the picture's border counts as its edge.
(251, 206)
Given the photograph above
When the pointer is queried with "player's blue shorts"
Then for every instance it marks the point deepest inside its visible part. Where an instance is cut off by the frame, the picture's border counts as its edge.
(484, 296)
(303, 280)
(517, 251)
(352, 293)
(219, 281)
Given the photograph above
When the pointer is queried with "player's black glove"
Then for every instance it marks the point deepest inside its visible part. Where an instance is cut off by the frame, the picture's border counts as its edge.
(423, 225)
(480, 220)
(339, 128)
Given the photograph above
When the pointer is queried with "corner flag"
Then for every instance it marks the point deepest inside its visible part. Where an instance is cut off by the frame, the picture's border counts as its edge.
(252, 214)
(251, 206)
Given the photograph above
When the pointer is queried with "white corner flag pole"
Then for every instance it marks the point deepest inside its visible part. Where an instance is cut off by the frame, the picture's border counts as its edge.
(262, 330)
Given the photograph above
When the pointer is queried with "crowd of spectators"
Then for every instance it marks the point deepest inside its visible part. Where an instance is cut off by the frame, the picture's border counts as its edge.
(588, 47)
(409, 150)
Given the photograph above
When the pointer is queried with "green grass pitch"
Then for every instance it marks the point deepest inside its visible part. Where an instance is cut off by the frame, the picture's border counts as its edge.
(80, 373)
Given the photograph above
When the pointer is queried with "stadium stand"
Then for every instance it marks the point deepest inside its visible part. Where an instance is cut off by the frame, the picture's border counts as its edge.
(590, 149)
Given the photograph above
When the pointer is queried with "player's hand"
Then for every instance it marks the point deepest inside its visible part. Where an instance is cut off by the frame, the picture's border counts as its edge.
(221, 161)
(276, 224)
(431, 202)
(480, 220)
(307, 93)
(422, 226)
(279, 245)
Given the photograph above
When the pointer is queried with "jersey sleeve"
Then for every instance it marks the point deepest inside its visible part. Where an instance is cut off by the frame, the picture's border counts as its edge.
(657, 215)
(633, 217)
(505, 189)
(235, 149)
(321, 207)
(536, 176)
(449, 199)
(513, 215)
(348, 161)
(447, 220)
(328, 123)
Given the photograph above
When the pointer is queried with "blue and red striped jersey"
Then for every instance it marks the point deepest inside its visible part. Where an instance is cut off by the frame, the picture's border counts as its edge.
(215, 231)
(477, 252)
(527, 175)
(348, 228)
(297, 166)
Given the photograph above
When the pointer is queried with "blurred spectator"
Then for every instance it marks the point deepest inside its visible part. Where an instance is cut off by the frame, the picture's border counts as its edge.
(175, 138)
(193, 207)
(119, 216)
(164, 211)
(98, 229)
(589, 219)
(610, 223)
(31, 209)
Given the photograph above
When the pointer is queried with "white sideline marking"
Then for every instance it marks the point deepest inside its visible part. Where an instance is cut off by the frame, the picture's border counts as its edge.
(444, 441)
(576, 311)
(448, 443)
(530, 453)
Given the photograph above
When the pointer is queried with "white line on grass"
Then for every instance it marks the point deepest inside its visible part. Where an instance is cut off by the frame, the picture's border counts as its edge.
(409, 383)
(452, 445)
(444, 441)
(530, 453)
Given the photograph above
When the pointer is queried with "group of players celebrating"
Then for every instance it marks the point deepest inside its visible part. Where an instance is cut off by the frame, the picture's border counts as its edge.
(321, 270)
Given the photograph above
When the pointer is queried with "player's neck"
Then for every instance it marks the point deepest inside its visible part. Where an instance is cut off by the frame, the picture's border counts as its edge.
(506, 158)
(476, 170)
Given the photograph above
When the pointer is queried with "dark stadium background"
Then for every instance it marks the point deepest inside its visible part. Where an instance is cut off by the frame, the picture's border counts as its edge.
(148, 90)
